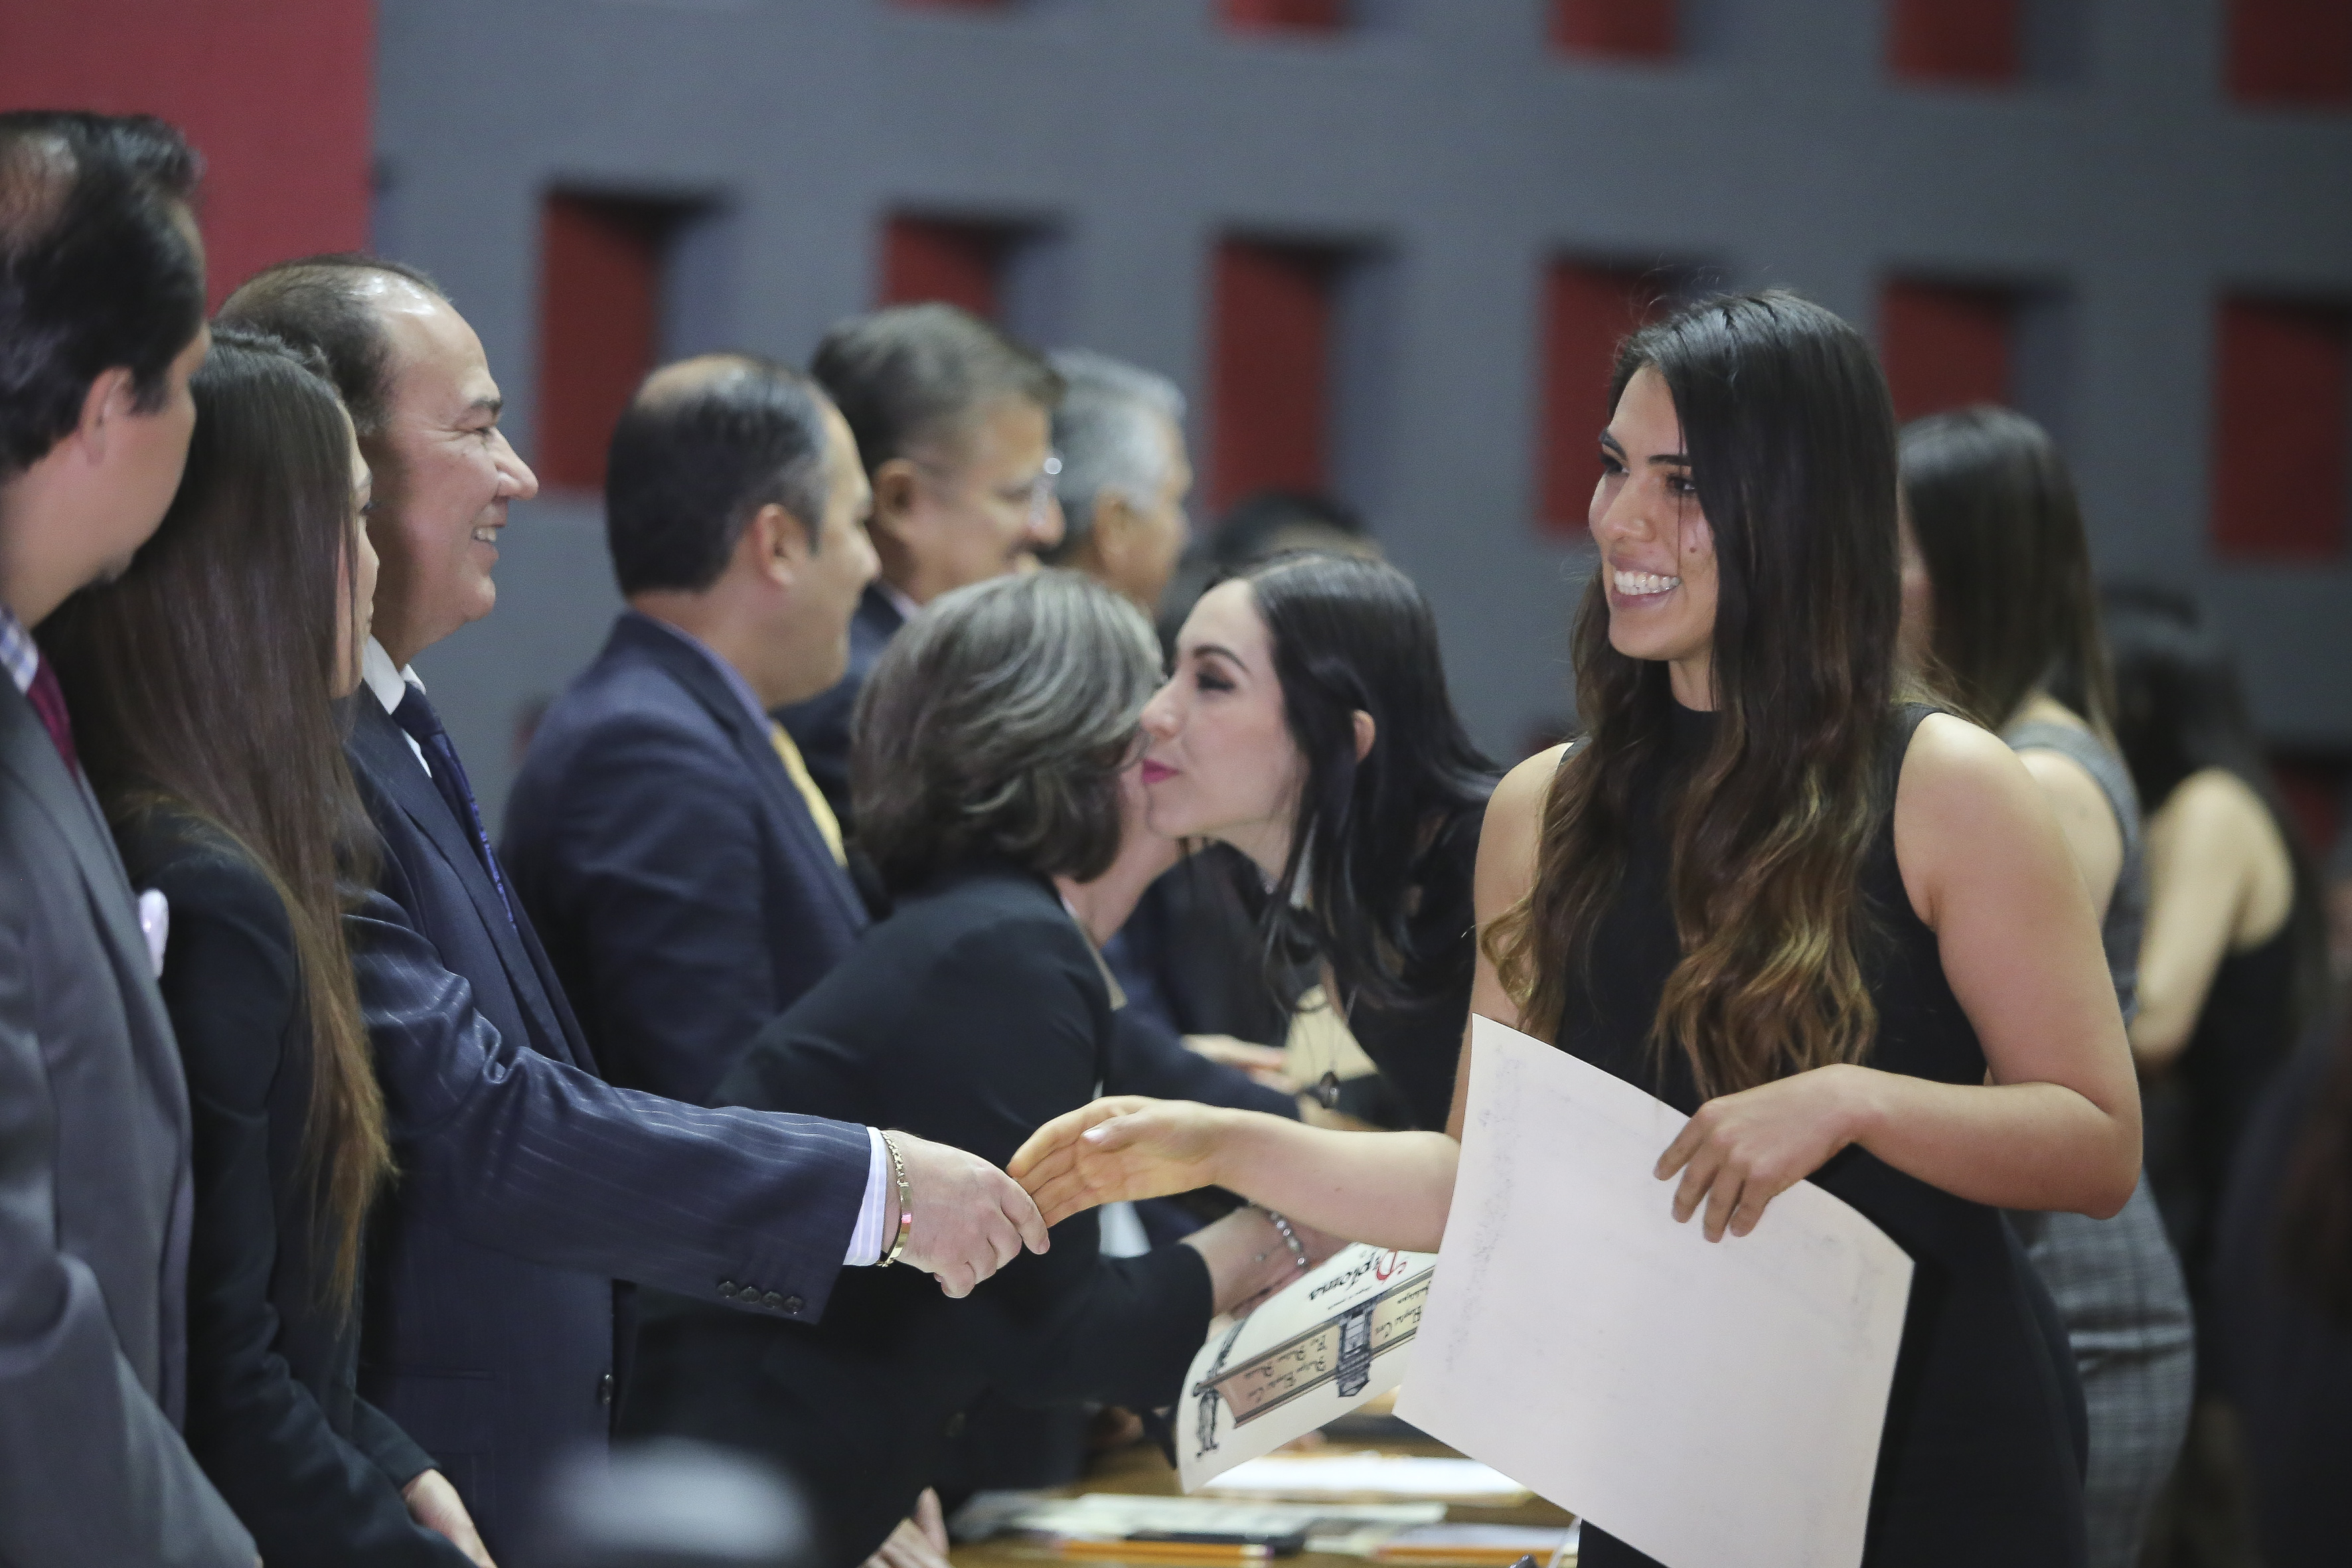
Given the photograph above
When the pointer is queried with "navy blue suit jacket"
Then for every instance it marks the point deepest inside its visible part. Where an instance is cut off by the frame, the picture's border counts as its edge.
(527, 1184)
(820, 726)
(672, 867)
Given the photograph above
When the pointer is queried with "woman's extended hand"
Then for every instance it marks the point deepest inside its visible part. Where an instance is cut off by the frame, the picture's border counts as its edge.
(1742, 1150)
(1117, 1149)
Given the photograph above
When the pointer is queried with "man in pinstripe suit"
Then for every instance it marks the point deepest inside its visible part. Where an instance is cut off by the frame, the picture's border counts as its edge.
(529, 1184)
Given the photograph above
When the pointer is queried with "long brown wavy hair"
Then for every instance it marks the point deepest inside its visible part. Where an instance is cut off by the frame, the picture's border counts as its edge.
(202, 681)
(1790, 435)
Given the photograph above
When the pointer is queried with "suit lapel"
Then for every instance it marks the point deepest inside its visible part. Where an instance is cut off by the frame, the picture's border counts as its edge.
(380, 749)
(28, 756)
(707, 687)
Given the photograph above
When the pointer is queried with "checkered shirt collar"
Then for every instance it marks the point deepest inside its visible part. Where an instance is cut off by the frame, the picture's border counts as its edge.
(18, 651)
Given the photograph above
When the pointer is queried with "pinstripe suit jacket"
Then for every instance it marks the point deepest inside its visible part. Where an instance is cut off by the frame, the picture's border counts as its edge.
(528, 1186)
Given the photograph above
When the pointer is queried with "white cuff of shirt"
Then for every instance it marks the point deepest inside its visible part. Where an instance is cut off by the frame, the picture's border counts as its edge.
(865, 1238)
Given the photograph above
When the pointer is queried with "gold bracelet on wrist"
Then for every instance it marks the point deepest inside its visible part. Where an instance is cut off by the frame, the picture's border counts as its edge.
(906, 1209)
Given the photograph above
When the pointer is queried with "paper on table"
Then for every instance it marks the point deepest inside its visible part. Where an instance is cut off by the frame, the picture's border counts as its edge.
(1707, 1403)
(1335, 1337)
(1372, 1477)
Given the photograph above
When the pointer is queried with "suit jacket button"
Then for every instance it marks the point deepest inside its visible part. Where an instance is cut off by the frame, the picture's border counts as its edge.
(604, 1391)
(727, 1288)
(771, 1300)
(793, 1304)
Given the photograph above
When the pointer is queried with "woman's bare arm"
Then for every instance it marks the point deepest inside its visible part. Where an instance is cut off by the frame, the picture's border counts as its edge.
(2204, 851)
(1392, 1189)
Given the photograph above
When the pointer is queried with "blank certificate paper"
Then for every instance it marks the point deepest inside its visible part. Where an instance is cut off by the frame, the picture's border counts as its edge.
(1711, 1403)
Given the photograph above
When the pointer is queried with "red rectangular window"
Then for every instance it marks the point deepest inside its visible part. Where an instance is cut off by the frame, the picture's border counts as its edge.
(1587, 310)
(1945, 345)
(2291, 51)
(1623, 29)
(1966, 41)
(1285, 15)
(952, 259)
(1270, 367)
(600, 292)
(2282, 421)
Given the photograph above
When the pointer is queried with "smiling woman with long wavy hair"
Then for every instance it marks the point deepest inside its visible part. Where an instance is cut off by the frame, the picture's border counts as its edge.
(1838, 927)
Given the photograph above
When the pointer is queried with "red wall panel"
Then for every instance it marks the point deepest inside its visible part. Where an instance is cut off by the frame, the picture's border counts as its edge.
(2291, 51)
(935, 259)
(2282, 421)
(1944, 345)
(1631, 29)
(1270, 358)
(599, 327)
(279, 96)
(1587, 312)
(1285, 15)
(1955, 40)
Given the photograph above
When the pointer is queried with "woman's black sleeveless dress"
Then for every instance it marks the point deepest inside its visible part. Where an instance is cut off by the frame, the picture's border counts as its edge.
(1982, 1457)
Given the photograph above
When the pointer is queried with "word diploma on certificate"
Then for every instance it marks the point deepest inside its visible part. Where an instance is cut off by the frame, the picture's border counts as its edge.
(1325, 1344)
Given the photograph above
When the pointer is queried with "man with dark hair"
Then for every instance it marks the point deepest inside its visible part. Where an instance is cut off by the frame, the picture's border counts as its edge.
(953, 423)
(529, 1185)
(101, 324)
(664, 834)
(1125, 474)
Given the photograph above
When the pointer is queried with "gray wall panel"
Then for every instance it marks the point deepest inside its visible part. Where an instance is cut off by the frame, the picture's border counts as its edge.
(1446, 134)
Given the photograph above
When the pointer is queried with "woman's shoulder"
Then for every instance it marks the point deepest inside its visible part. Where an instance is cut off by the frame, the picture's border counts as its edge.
(1517, 807)
(2215, 812)
(207, 878)
(1000, 921)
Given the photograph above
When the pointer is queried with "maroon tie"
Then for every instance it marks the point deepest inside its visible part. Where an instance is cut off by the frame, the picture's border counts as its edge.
(49, 702)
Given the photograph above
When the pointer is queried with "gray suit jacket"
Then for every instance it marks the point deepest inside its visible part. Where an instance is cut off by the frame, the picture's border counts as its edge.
(95, 1199)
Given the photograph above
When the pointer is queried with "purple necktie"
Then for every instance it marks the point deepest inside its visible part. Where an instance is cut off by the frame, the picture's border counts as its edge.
(49, 702)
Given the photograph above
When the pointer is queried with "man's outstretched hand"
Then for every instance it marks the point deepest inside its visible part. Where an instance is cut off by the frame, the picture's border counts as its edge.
(970, 1219)
(1117, 1149)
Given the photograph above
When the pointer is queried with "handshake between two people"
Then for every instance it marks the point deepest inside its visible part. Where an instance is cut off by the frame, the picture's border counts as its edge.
(972, 1219)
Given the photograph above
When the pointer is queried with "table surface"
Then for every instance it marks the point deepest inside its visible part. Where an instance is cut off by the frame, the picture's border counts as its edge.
(1141, 1469)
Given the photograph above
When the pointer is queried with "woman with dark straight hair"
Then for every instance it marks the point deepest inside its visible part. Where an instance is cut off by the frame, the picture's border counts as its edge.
(2232, 971)
(1308, 725)
(1841, 929)
(203, 683)
(1999, 602)
(2234, 965)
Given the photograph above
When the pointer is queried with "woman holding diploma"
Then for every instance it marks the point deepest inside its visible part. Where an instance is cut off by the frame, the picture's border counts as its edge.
(1842, 930)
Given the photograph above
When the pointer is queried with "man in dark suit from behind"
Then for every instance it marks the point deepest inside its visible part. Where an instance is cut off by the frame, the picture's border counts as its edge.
(492, 1331)
(686, 875)
(953, 421)
(101, 324)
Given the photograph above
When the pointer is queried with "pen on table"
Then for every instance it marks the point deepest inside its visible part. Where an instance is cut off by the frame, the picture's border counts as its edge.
(1164, 1552)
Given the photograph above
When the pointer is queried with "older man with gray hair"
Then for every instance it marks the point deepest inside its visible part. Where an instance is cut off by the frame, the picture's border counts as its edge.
(1125, 474)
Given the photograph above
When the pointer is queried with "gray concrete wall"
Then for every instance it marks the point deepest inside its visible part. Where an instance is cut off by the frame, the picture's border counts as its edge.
(1447, 137)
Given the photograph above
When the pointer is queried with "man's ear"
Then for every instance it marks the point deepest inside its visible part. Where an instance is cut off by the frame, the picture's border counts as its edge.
(1110, 530)
(778, 544)
(112, 397)
(894, 494)
(1367, 729)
